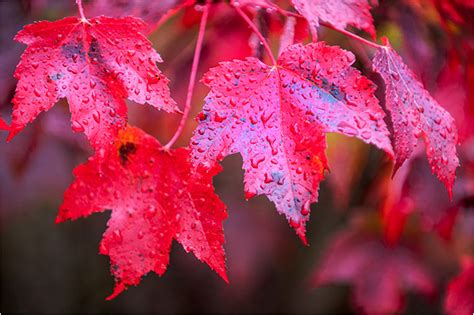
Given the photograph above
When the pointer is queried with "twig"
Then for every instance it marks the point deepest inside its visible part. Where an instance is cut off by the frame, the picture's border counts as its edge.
(352, 35)
(257, 32)
(328, 25)
(169, 14)
(192, 77)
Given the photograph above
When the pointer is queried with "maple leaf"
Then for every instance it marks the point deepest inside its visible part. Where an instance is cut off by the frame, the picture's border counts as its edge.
(414, 114)
(377, 272)
(340, 13)
(95, 65)
(155, 197)
(460, 294)
(276, 117)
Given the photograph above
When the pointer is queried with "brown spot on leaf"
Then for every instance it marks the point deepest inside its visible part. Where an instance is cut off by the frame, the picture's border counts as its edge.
(125, 150)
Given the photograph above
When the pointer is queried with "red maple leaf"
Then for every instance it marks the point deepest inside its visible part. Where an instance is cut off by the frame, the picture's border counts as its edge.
(95, 64)
(155, 197)
(378, 272)
(340, 13)
(277, 117)
(414, 114)
(460, 295)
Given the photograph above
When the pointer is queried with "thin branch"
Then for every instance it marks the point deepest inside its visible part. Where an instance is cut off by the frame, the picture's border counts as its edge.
(192, 77)
(169, 14)
(283, 11)
(257, 32)
(328, 25)
(261, 22)
(353, 36)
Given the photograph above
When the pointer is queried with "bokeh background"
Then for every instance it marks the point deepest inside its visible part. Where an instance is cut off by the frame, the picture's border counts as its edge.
(49, 268)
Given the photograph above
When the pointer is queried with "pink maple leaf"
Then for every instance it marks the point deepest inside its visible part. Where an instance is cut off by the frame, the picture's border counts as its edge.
(276, 117)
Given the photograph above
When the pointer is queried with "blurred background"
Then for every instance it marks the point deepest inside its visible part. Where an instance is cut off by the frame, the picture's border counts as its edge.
(49, 268)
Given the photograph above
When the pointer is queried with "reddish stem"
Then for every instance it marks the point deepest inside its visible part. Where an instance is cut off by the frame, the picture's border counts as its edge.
(192, 77)
(81, 11)
(257, 32)
(283, 11)
(347, 33)
(353, 36)
(170, 14)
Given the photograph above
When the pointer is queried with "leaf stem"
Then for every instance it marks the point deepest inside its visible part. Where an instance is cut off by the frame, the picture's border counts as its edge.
(192, 77)
(169, 14)
(257, 32)
(81, 11)
(352, 35)
(328, 25)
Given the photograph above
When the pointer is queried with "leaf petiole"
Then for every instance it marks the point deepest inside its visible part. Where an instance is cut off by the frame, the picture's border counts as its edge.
(81, 12)
(257, 32)
(192, 77)
(328, 25)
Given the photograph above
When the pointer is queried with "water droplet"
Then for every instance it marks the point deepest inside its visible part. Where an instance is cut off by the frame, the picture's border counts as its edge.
(218, 118)
(347, 129)
(150, 212)
(77, 126)
(366, 134)
(294, 129)
(117, 235)
(96, 116)
(395, 75)
(305, 209)
(265, 117)
(267, 178)
(255, 162)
